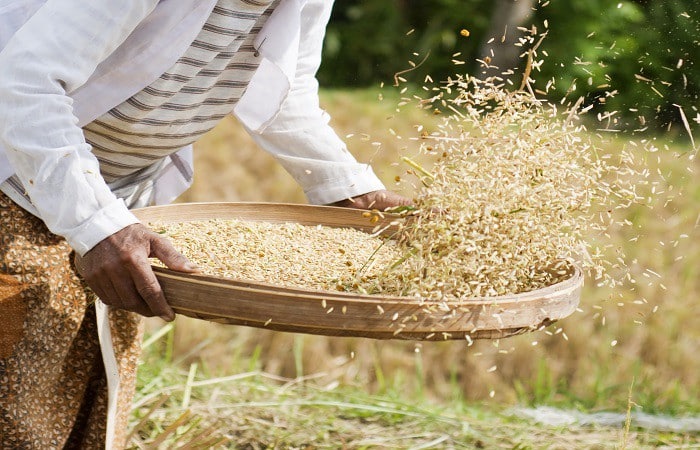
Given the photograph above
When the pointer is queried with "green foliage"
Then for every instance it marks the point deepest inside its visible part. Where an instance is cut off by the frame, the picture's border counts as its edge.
(674, 38)
(589, 45)
(631, 49)
(368, 42)
(641, 51)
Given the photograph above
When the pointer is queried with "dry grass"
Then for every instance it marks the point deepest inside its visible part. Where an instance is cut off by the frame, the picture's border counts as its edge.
(188, 408)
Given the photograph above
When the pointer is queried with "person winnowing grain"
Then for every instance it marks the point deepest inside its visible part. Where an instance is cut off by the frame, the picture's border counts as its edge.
(100, 102)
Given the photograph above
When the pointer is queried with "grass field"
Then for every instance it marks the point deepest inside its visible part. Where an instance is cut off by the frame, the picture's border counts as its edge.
(189, 407)
(633, 348)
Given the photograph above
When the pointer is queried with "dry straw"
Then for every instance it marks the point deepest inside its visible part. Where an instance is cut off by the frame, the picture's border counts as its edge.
(516, 189)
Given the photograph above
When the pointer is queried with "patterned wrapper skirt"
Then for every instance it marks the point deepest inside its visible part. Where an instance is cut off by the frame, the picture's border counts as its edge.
(53, 387)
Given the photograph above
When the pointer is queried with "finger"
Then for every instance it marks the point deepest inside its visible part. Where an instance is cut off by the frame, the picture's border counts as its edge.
(119, 291)
(162, 249)
(389, 199)
(149, 290)
(105, 291)
(131, 300)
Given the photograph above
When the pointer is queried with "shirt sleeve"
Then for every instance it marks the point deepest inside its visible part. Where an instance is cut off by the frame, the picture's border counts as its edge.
(53, 54)
(300, 137)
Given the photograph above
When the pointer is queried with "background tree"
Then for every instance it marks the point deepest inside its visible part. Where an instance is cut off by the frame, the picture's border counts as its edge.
(635, 57)
(498, 44)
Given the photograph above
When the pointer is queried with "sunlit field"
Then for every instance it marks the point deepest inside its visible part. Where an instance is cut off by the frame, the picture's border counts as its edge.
(631, 349)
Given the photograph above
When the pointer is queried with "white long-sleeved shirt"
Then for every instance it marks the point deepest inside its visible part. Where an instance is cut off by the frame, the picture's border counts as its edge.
(45, 98)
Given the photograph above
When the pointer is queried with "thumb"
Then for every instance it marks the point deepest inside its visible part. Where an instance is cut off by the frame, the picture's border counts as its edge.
(162, 249)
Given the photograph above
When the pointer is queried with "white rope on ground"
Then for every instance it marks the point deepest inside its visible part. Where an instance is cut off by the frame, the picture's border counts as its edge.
(548, 415)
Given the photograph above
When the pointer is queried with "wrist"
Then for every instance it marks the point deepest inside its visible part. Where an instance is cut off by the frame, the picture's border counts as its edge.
(102, 224)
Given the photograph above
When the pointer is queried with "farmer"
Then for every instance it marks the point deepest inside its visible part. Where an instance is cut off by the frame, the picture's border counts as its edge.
(99, 104)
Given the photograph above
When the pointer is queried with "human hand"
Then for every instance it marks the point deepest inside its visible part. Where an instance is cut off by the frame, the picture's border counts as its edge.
(380, 200)
(118, 271)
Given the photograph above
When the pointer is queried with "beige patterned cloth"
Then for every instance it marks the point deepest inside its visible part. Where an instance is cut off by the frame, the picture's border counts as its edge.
(53, 388)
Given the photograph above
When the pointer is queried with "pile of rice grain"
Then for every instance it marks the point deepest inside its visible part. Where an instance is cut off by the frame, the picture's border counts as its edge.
(287, 254)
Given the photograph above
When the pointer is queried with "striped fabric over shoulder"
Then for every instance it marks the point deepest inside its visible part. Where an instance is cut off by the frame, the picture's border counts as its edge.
(186, 101)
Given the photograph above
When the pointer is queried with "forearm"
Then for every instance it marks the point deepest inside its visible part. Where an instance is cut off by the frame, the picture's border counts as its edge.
(316, 157)
(299, 136)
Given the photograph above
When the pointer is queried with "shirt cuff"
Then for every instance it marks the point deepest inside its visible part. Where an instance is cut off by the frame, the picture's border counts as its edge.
(101, 225)
(357, 182)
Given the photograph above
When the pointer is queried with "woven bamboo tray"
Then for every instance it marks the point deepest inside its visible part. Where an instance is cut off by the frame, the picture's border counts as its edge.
(255, 304)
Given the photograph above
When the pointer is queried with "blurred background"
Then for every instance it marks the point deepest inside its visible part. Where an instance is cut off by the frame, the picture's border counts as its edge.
(637, 59)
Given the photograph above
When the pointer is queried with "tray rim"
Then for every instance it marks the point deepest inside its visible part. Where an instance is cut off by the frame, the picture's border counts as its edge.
(569, 283)
(525, 311)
